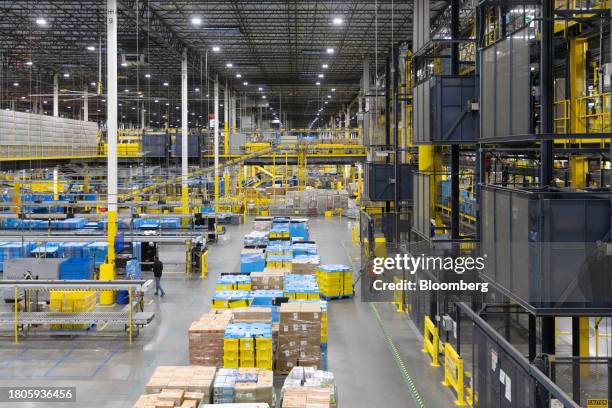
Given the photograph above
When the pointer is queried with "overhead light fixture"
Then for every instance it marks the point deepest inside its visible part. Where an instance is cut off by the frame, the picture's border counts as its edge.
(338, 21)
(330, 50)
(23, 97)
(333, 89)
(45, 102)
(238, 76)
(321, 75)
(328, 96)
(263, 97)
(229, 65)
(196, 21)
(66, 75)
(260, 89)
(324, 66)
(326, 102)
(147, 76)
(245, 83)
(92, 83)
(15, 83)
(126, 90)
(216, 48)
(197, 89)
(157, 101)
(165, 84)
(91, 48)
(317, 83)
(29, 63)
(41, 21)
(124, 64)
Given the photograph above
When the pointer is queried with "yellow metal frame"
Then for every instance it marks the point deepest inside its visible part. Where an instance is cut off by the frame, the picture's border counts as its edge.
(431, 341)
(453, 373)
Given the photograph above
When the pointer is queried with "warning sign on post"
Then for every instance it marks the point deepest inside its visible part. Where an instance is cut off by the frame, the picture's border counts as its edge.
(597, 403)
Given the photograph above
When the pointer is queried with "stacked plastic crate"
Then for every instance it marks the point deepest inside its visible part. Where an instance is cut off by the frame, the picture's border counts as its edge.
(335, 281)
(233, 282)
(228, 299)
(301, 287)
(248, 345)
(65, 301)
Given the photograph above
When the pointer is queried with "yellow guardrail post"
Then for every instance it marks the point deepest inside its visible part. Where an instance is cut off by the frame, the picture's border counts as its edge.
(397, 296)
(431, 342)
(453, 373)
(130, 311)
(16, 305)
(204, 264)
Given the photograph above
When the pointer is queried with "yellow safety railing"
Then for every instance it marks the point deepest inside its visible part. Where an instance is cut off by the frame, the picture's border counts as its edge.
(431, 342)
(400, 297)
(453, 373)
(562, 116)
(593, 112)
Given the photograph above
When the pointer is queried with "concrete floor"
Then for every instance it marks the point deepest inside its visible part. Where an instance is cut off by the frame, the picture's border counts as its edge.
(367, 343)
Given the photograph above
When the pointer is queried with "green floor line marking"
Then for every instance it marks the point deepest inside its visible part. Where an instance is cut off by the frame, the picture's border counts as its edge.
(398, 360)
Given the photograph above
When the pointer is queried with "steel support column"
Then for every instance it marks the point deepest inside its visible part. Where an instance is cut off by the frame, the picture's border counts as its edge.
(184, 138)
(546, 92)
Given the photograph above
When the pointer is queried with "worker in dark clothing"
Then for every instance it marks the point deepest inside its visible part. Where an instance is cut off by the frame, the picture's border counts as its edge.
(158, 268)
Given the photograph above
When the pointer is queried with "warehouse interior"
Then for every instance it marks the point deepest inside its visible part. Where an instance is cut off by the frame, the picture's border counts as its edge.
(268, 158)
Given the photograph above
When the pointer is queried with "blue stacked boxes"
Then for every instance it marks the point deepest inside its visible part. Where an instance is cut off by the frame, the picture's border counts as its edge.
(304, 248)
(47, 250)
(97, 251)
(77, 268)
(252, 260)
(137, 250)
(298, 228)
(170, 223)
(132, 269)
(70, 249)
(265, 298)
(10, 250)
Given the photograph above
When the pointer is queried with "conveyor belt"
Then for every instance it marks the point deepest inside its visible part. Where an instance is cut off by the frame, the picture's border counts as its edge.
(59, 236)
(138, 319)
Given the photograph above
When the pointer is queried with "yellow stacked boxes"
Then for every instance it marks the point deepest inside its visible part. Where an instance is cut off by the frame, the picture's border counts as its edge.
(233, 282)
(263, 353)
(248, 345)
(228, 299)
(231, 352)
(335, 281)
(63, 301)
(247, 352)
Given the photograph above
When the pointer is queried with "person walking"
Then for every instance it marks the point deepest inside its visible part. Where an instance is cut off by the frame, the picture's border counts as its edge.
(158, 268)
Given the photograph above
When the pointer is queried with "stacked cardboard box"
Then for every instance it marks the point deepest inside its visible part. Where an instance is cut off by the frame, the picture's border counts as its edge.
(306, 397)
(258, 405)
(206, 339)
(305, 385)
(269, 279)
(244, 385)
(305, 264)
(252, 314)
(254, 385)
(262, 223)
(193, 381)
(299, 338)
(164, 399)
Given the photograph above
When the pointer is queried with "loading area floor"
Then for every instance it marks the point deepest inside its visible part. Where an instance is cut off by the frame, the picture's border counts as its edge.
(374, 352)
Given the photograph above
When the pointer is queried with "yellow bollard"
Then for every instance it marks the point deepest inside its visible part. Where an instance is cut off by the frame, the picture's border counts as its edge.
(453, 373)
(431, 341)
(107, 272)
